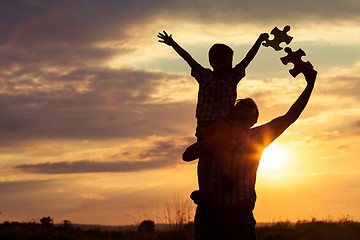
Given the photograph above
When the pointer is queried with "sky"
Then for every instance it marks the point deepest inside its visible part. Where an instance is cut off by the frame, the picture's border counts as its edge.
(95, 112)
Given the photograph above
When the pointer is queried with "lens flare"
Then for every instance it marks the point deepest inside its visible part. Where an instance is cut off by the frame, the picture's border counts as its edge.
(273, 158)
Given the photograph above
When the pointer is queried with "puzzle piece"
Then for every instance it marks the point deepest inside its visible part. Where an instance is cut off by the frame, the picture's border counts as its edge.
(295, 58)
(279, 37)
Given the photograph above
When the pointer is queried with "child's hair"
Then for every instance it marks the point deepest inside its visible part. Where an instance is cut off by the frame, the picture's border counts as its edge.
(219, 49)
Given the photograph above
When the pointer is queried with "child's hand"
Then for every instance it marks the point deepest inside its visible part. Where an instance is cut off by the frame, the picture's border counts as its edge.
(264, 36)
(166, 38)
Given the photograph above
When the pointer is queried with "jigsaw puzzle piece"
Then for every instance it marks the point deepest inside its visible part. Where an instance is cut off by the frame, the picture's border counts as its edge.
(295, 58)
(279, 37)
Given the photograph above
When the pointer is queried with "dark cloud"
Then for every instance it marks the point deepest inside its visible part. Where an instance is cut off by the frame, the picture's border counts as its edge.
(163, 153)
(117, 103)
(357, 123)
(84, 22)
(40, 57)
(169, 148)
(91, 167)
(52, 84)
(92, 21)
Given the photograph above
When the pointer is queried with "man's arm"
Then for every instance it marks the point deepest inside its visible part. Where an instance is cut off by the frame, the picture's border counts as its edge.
(253, 51)
(168, 40)
(277, 126)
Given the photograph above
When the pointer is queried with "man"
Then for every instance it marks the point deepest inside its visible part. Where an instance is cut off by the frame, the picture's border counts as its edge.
(223, 212)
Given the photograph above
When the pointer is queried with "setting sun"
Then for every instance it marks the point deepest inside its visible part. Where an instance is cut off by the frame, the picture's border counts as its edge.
(273, 158)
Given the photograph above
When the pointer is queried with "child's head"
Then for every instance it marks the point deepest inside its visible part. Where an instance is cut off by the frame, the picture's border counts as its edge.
(220, 57)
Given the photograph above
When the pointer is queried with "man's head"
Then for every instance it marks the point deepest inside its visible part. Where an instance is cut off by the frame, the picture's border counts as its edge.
(220, 57)
(245, 112)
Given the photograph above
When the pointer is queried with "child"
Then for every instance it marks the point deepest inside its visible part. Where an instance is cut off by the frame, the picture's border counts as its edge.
(217, 87)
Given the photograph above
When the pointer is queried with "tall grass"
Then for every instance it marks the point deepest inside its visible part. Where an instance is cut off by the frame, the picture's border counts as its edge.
(179, 212)
(172, 214)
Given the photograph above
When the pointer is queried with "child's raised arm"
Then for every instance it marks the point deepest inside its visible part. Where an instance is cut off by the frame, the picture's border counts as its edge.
(168, 40)
(253, 51)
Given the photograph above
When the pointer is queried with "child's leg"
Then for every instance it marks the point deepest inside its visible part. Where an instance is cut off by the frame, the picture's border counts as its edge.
(201, 128)
(191, 153)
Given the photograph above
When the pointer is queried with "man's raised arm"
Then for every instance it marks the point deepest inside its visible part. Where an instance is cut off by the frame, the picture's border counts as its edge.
(168, 40)
(280, 124)
(296, 109)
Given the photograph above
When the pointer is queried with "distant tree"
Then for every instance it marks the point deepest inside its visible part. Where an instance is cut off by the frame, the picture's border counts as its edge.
(47, 221)
(67, 223)
(147, 226)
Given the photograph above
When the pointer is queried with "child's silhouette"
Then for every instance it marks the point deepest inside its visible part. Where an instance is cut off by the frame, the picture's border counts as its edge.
(217, 88)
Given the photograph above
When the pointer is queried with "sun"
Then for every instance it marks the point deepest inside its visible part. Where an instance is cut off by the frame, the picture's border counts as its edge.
(273, 158)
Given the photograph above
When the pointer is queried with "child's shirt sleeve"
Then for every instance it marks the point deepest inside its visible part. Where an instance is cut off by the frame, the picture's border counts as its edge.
(200, 73)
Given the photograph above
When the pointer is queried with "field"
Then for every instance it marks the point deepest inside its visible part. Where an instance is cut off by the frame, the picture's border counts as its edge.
(302, 230)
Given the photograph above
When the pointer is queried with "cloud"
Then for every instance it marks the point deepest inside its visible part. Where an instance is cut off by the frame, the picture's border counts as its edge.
(87, 103)
(55, 81)
(161, 154)
(10, 187)
(95, 21)
(80, 22)
(357, 123)
(168, 148)
(343, 146)
(85, 166)
(342, 82)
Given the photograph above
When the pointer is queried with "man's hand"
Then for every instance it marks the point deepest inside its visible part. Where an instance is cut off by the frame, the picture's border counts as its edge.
(264, 36)
(166, 38)
(310, 75)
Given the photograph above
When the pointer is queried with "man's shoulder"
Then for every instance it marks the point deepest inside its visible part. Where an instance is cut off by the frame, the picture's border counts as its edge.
(267, 132)
(258, 132)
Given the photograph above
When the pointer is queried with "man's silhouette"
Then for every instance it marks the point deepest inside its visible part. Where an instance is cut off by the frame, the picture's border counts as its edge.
(224, 214)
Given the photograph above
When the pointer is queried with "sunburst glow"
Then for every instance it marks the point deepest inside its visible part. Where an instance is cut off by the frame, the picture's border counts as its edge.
(273, 158)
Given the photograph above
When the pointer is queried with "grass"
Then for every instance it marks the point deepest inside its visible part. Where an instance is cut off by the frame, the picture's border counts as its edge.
(301, 230)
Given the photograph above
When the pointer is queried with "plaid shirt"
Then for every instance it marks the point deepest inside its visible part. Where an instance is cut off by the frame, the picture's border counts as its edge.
(244, 164)
(217, 94)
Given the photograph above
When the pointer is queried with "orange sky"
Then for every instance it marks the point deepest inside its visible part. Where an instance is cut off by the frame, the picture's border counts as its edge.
(95, 113)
